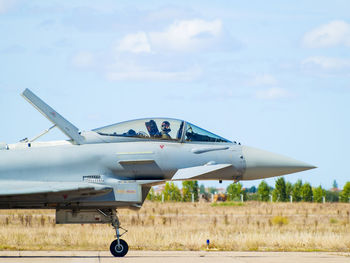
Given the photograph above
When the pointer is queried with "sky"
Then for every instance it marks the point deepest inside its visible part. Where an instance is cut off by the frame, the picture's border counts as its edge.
(270, 74)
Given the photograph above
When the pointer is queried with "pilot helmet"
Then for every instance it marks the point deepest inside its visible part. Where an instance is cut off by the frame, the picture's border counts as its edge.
(166, 126)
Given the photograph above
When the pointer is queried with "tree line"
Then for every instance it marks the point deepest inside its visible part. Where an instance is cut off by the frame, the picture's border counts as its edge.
(172, 192)
(299, 191)
(282, 192)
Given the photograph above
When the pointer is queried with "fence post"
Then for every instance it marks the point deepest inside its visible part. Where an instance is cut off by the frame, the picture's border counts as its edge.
(242, 198)
(162, 198)
(192, 197)
(323, 199)
(291, 198)
(270, 198)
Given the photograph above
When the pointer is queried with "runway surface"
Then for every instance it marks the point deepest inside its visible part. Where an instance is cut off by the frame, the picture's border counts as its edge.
(173, 256)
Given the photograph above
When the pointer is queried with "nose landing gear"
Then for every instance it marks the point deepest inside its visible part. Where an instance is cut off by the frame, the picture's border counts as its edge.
(119, 247)
(119, 250)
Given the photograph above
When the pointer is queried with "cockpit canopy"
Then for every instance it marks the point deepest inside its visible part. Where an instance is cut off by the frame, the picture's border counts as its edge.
(160, 129)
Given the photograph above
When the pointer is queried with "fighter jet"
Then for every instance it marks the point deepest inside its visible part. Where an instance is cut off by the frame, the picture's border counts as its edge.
(92, 174)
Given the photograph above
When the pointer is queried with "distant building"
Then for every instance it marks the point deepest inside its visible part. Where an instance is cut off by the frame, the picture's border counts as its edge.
(158, 189)
(216, 190)
(335, 189)
(221, 190)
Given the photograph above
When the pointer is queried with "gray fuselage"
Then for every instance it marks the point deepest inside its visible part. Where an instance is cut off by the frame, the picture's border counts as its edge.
(120, 160)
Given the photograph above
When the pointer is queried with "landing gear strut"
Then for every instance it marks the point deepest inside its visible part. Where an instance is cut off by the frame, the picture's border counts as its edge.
(119, 247)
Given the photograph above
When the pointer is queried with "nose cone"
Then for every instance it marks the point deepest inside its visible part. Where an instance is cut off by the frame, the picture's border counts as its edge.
(262, 164)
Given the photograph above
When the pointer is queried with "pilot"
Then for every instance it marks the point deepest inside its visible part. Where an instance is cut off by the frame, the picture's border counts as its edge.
(165, 130)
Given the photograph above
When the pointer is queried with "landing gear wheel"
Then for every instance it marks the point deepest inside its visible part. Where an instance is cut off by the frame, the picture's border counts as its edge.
(119, 250)
(118, 247)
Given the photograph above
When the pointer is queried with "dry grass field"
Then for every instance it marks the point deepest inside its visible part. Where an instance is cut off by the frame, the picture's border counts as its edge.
(251, 226)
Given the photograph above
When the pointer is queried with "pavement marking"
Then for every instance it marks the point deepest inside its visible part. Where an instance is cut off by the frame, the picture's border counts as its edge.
(173, 256)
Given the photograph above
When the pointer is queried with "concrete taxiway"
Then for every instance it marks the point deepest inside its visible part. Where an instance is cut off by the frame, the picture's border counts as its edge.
(174, 256)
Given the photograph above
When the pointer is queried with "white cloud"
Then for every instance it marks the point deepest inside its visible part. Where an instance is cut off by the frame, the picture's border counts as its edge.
(134, 43)
(272, 94)
(83, 59)
(180, 36)
(154, 75)
(183, 35)
(263, 80)
(326, 63)
(187, 35)
(159, 54)
(331, 34)
(6, 5)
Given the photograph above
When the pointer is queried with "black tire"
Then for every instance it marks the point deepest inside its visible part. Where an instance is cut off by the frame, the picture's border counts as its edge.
(121, 250)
